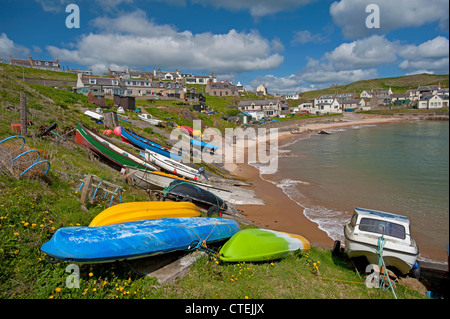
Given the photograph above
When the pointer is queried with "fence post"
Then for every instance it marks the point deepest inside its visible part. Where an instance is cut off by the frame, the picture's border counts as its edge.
(23, 114)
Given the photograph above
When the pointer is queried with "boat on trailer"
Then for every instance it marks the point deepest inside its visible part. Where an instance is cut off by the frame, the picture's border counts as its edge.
(367, 226)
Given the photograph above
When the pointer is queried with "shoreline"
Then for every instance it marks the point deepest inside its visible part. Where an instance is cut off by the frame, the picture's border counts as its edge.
(280, 212)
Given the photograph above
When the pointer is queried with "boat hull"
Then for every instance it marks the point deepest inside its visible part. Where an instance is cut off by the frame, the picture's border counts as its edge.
(403, 259)
(144, 143)
(252, 245)
(134, 211)
(113, 153)
(171, 166)
(159, 180)
(188, 191)
(136, 239)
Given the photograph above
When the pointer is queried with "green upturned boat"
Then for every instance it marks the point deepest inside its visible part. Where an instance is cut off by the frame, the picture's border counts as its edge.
(261, 245)
(116, 155)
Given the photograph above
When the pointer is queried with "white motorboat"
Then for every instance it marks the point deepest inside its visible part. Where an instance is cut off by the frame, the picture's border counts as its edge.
(365, 229)
(172, 166)
(149, 119)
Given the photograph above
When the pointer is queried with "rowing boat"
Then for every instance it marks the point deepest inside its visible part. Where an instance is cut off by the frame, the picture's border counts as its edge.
(115, 154)
(133, 211)
(125, 241)
(154, 180)
(253, 244)
(171, 166)
(144, 143)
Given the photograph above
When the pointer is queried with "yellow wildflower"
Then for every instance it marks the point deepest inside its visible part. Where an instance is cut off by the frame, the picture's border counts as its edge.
(58, 289)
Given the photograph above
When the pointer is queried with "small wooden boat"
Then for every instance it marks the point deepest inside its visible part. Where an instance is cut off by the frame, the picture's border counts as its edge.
(129, 212)
(154, 180)
(261, 244)
(171, 165)
(149, 119)
(113, 153)
(143, 143)
(125, 241)
(186, 191)
(366, 227)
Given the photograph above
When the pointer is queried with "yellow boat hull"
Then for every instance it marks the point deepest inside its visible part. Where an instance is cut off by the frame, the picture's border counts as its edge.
(134, 211)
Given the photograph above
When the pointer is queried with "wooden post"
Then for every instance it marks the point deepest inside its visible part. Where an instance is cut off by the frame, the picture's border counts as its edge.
(110, 120)
(23, 114)
(86, 189)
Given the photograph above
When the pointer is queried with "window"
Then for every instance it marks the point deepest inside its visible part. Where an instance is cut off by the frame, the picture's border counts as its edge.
(115, 82)
(92, 81)
(37, 62)
(46, 63)
(382, 227)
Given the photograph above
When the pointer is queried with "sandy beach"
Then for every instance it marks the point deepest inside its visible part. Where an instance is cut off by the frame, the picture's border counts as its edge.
(280, 212)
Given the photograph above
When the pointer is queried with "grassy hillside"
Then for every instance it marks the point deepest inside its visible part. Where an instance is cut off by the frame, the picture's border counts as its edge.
(31, 211)
(29, 73)
(397, 84)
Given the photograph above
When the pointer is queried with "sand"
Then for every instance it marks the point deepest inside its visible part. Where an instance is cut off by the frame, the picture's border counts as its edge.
(280, 212)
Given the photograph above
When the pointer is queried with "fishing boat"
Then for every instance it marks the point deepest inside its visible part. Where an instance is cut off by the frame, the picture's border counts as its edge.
(366, 227)
(252, 244)
(149, 119)
(171, 165)
(113, 153)
(143, 143)
(155, 180)
(137, 239)
(133, 211)
(186, 191)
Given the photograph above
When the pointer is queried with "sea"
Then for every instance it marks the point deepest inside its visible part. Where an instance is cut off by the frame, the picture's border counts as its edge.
(401, 168)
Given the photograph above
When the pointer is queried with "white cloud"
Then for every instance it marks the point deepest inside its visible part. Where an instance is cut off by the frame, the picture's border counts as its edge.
(133, 40)
(305, 36)
(350, 15)
(257, 8)
(8, 47)
(361, 54)
(358, 60)
(432, 56)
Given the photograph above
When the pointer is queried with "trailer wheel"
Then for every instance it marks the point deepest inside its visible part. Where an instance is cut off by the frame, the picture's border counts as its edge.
(336, 248)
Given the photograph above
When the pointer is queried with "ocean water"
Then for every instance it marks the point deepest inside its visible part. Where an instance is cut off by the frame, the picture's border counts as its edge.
(401, 168)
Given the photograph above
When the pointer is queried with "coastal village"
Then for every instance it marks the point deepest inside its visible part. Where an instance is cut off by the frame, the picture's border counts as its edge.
(75, 169)
(127, 85)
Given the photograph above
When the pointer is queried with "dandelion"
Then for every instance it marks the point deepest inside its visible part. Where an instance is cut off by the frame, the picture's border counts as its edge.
(16, 252)
(16, 234)
(42, 226)
(33, 225)
(26, 224)
(58, 289)
(246, 297)
(91, 274)
(94, 289)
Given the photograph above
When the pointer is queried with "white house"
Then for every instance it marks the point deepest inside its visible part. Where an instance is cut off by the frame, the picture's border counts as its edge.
(261, 108)
(328, 108)
(433, 102)
(366, 94)
(261, 90)
(293, 96)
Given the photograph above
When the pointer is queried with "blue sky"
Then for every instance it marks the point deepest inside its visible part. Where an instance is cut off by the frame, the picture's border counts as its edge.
(288, 45)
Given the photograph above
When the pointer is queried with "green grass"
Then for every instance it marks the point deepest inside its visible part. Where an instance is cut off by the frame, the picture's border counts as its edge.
(19, 72)
(31, 211)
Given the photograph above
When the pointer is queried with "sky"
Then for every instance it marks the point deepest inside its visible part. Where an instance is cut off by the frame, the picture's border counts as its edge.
(290, 46)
